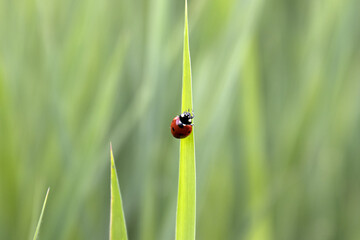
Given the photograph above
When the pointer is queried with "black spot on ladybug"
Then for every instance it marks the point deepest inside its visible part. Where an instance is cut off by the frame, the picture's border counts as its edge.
(173, 129)
(189, 131)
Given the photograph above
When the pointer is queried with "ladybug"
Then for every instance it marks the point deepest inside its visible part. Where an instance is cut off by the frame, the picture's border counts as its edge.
(181, 125)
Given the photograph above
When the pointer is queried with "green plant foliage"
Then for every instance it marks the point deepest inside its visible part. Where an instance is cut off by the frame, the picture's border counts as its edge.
(117, 219)
(186, 205)
(41, 216)
(277, 117)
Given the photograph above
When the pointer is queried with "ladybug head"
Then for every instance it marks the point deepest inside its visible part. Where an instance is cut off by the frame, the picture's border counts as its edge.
(186, 118)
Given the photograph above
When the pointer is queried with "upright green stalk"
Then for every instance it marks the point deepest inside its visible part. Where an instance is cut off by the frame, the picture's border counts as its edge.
(41, 216)
(186, 206)
(117, 219)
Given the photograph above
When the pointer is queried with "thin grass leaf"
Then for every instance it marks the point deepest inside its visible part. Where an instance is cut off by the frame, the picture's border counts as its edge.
(186, 205)
(117, 220)
(41, 216)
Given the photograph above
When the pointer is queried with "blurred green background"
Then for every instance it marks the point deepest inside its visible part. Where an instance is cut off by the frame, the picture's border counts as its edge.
(276, 97)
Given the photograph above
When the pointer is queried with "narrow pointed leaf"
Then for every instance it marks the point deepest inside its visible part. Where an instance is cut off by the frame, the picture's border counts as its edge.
(186, 205)
(41, 216)
(117, 220)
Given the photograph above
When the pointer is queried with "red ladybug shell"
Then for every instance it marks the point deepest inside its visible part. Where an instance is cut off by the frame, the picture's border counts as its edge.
(178, 129)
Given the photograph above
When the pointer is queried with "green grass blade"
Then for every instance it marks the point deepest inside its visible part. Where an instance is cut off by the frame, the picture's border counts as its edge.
(186, 88)
(41, 216)
(186, 205)
(117, 220)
